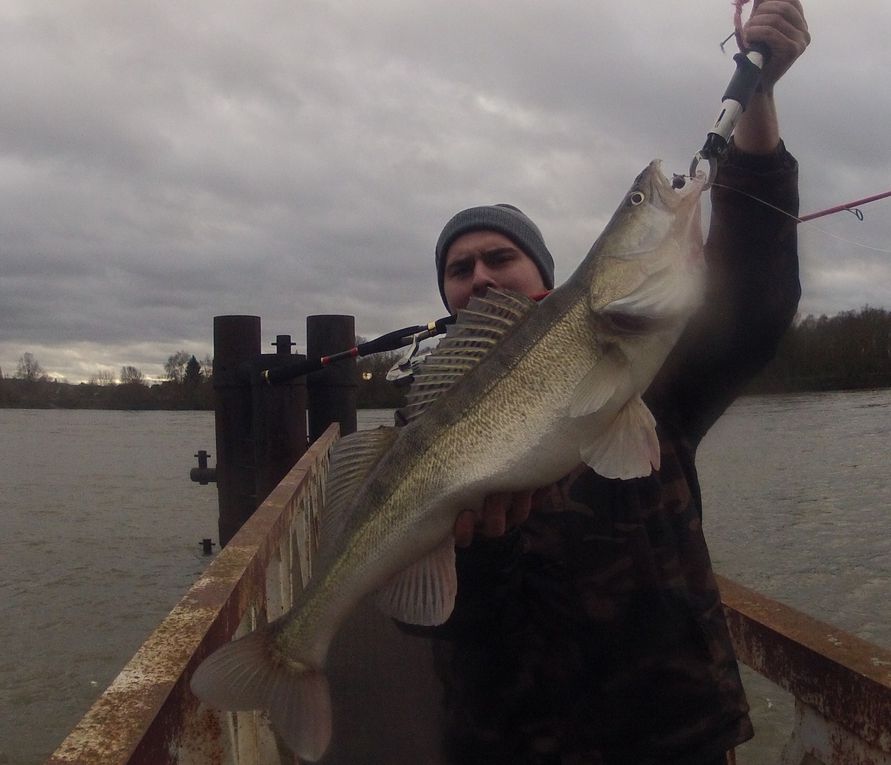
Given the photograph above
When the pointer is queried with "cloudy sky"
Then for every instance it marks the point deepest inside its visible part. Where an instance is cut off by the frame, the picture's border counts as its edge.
(165, 162)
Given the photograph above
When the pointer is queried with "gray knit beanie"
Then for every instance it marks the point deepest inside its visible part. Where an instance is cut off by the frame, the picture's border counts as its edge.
(504, 219)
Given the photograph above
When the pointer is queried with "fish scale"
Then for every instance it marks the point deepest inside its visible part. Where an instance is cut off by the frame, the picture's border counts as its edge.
(516, 395)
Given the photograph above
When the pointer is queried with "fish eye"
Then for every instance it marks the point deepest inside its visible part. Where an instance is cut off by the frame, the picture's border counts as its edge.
(636, 198)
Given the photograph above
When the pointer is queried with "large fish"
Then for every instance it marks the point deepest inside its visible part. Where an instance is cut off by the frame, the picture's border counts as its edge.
(515, 396)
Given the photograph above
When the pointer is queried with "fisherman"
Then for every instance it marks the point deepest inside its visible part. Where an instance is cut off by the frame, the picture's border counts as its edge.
(588, 626)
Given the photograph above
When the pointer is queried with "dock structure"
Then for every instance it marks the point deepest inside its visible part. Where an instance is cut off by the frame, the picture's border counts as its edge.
(148, 716)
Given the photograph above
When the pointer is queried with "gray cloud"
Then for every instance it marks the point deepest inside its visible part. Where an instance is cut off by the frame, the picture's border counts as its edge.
(164, 163)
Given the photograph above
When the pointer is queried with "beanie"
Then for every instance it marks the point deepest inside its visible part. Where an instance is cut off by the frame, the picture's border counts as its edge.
(503, 219)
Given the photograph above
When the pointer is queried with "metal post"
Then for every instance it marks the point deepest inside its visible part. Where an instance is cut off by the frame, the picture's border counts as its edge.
(236, 341)
(279, 420)
(331, 391)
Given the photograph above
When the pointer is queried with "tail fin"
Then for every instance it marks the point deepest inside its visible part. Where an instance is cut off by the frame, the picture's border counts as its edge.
(245, 674)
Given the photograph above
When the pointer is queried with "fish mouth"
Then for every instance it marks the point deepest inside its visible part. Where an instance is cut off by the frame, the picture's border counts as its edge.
(680, 203)
(662, 191)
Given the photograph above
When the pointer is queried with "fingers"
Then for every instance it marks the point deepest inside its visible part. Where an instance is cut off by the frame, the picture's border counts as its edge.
(519, 508)
(779, 24)
(491, 521)
(500, 512)
(463, 529)
(780, 21)
(494, 517)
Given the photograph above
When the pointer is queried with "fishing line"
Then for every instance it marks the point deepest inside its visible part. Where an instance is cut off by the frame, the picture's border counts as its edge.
(804, 219)
(413, 335)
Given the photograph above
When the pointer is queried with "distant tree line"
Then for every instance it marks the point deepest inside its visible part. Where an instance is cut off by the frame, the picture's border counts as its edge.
(850, 350)
(188, 385)
(375, 391)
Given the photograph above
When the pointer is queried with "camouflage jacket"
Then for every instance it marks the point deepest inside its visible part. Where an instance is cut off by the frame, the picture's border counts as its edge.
(594, 633)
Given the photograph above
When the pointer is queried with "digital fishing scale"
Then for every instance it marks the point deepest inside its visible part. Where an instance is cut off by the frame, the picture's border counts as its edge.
(743, 84)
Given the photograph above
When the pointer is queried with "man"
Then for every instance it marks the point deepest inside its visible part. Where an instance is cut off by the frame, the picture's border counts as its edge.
(590, 630)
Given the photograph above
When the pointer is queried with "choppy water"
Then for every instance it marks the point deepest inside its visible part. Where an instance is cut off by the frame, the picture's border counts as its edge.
(797, 494)
(100, 536)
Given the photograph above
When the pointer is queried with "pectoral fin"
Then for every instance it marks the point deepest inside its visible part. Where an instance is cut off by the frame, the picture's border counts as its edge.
(424, 593)
(629, 447)
(598, 386)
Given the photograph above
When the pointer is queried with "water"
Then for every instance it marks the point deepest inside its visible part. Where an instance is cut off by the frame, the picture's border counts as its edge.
(100, 536)
(798, 506)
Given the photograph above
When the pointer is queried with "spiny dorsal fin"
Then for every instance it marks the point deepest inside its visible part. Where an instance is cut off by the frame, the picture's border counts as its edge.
(352, 459)
(479, 328)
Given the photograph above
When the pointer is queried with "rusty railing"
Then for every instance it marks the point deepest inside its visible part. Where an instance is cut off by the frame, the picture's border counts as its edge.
(841, 684)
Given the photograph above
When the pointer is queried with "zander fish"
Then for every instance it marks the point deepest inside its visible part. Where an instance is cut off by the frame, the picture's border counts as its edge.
(516, 395)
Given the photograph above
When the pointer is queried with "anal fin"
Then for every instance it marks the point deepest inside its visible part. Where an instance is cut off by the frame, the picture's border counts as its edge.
(424, 593)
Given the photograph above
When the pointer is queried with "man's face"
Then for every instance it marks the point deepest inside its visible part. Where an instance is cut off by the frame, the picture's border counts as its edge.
(482, 259)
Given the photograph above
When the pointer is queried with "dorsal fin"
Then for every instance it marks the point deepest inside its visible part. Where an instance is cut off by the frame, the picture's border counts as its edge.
(477, 331)
(352, 459)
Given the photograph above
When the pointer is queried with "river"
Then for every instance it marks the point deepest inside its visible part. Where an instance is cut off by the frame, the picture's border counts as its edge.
(101, 534)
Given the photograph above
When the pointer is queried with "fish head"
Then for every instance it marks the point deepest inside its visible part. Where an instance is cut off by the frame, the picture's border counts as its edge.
(648, 263)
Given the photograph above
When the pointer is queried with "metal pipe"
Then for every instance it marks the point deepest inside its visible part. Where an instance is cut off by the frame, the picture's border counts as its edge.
(236, 341)
(332, 391)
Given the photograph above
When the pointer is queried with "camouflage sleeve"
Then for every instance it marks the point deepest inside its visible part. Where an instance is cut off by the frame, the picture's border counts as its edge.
(751, 296)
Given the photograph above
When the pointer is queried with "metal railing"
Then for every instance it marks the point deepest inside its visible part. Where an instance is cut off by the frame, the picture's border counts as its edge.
(842, 685)
(148, 714)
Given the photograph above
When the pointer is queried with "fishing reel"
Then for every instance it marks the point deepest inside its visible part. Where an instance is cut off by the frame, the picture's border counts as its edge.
(403, 371)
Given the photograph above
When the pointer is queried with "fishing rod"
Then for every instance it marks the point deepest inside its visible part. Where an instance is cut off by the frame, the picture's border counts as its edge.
(742, 86)
(415, 334)
(850, 207)
(398, 338)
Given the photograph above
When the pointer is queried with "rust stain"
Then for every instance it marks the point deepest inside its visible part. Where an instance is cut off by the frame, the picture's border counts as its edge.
(148, 715)
(845, 679)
